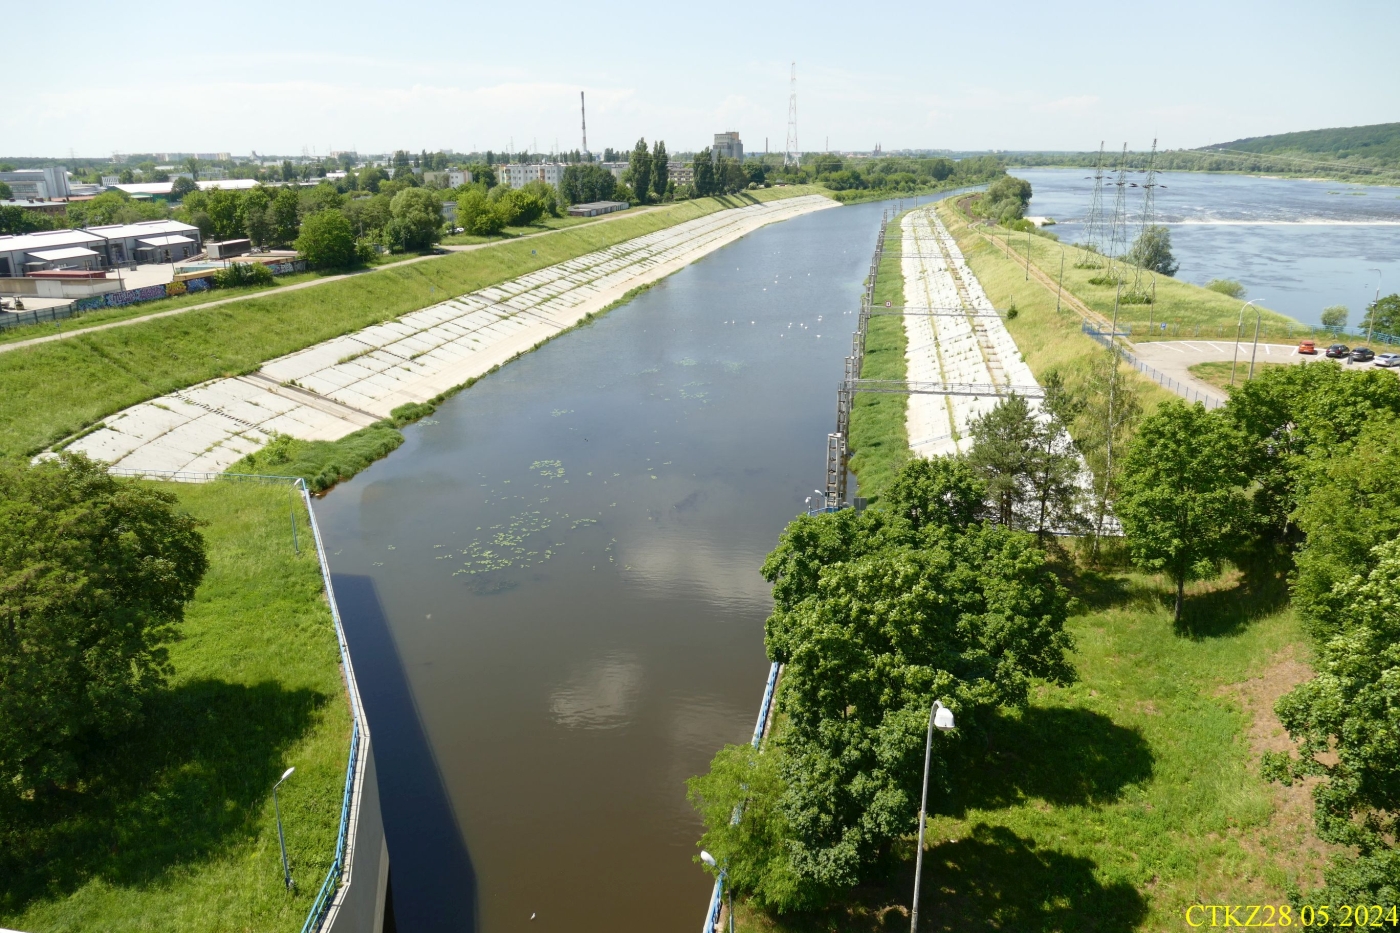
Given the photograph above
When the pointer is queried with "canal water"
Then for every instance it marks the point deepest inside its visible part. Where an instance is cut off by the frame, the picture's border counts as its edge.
(552, 590)
(1299, 245)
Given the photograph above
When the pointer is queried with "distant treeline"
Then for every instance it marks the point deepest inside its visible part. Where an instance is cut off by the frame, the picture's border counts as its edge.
(1222, 160)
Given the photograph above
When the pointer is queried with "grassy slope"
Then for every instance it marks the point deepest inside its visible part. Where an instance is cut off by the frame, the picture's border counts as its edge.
(1048, 340)
(182, 837)
(1118, 801)
(879, 441)
(110, 315)
(53, 390)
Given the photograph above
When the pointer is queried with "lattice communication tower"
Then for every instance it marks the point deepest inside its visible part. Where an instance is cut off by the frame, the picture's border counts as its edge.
(792, 158)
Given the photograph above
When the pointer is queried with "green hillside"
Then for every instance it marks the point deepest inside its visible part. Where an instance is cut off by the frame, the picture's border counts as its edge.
(1377, 145)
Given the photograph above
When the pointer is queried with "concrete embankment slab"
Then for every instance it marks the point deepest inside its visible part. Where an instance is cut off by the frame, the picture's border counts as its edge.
(329, 390)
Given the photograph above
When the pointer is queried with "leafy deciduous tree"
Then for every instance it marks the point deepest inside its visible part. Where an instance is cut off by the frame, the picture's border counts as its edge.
(1180, 498)
(327, 241)
(95, 573)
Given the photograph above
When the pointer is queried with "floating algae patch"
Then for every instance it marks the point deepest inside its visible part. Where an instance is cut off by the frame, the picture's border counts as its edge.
(549, 469)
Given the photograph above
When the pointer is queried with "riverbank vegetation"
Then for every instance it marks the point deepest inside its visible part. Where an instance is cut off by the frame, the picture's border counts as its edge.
(1152, 771)
(171, 825)
(59, 388)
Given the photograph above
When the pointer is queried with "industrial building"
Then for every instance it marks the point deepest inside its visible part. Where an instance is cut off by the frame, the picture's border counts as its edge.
(729, 146)
(38, 184)
(518, 175)
(594, 208)
(97, 248)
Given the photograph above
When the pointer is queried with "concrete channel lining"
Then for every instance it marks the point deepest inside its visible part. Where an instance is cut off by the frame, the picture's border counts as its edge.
(334, 388)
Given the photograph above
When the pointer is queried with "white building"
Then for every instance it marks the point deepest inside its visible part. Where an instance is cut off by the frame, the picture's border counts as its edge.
(149, 241)
(518, 175)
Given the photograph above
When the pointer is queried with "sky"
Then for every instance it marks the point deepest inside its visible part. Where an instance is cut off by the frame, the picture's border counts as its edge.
(936, 74)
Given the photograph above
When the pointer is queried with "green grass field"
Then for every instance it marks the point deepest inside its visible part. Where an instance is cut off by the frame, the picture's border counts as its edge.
(56, 389)
(879, 441)
(176, 832)
(543, 225)
(1115, 803)
(1218, 374)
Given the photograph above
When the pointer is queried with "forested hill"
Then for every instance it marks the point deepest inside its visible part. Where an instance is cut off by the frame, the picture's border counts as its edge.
(1377, 145)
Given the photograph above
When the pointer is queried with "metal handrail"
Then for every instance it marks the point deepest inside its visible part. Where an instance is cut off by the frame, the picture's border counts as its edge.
(717, 894)
(334, 874)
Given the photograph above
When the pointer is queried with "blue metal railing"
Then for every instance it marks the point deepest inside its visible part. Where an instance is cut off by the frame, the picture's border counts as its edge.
(759, 730)
(331, 883)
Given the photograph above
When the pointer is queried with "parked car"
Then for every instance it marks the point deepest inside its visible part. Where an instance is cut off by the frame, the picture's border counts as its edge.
(1363, 355)
(1308, 347)
(1388, 359)
(1338, 351)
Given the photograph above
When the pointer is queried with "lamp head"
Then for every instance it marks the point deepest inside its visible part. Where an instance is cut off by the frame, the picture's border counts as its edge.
(708, 859)
(942, 717)
(286, 774)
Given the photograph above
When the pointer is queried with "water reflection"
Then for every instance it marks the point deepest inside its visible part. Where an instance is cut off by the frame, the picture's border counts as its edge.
(601, 696)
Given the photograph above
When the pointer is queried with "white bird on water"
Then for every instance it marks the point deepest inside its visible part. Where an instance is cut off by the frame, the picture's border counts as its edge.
(532, 916)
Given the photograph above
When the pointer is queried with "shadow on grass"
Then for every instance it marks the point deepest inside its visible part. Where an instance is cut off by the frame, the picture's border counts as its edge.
(186, 783)
(1261, 590)
(1064, 756)
(997, 880)
(991, 880)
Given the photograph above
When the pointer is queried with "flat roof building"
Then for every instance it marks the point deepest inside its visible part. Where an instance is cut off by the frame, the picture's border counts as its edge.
(518, 174)
(99, 247)
(594, 208)
(40, 184)
(729, 145)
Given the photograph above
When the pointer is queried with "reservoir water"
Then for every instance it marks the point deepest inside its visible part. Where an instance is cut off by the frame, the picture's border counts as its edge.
(552, 590)
(1300, 245)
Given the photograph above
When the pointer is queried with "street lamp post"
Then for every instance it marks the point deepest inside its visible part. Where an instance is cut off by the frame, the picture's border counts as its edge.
(1238, 328)
(1060, 290)
(281, 839)
(709, 860)
(941, 717)
(1371, 318)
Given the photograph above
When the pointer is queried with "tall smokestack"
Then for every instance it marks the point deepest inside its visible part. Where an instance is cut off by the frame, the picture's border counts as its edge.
(583, 113)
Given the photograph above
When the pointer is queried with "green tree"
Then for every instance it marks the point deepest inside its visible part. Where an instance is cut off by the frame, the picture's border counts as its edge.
(369, 178)
(181, 187)
(1384, 315)
(1003, 447)
(639, 170)
(1007, 199)
(225, 209)
(703, 172)
(20, 220)
(587, 182)
(1349, 502)
(1180, 499)
(258, 220)
(5, 192)
(1152, 250)
(1335, 316)
(660, 170)
(283, 214)
(1345, 721)
(327, 241)
(95, 573)
(415, 220)
(478, 215)
(876, 614)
